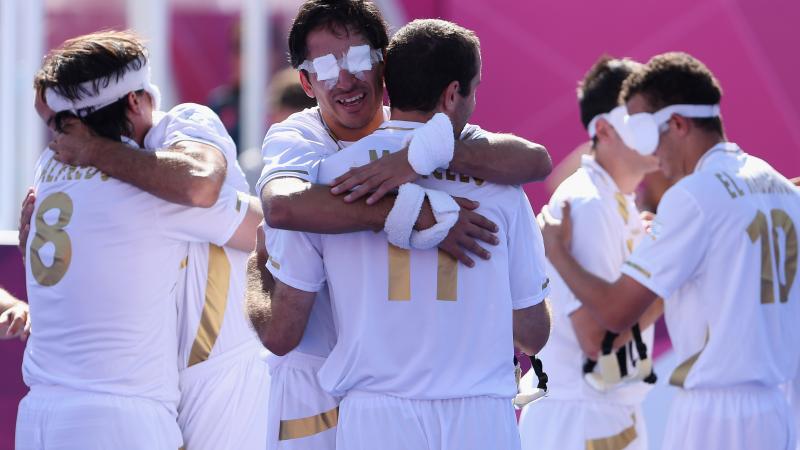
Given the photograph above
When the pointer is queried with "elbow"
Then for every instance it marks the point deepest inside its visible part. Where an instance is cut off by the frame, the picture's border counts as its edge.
(277, 212)
(616, 323)
(544, 164)
(278, 345)
(204, 193)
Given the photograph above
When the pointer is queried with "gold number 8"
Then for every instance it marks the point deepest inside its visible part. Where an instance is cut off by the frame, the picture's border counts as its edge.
(48, 276)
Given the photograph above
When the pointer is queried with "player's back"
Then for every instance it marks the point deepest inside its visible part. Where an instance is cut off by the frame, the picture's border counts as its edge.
(416, 323)
(741, 302)
(103, 260)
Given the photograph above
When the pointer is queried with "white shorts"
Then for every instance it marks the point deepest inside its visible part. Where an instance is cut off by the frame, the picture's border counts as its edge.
(302, 416)
(740, 418)
(57, 418)
(555, 424)
(224, 401)
(371, 421)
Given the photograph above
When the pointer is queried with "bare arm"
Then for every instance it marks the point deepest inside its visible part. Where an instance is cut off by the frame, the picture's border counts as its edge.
(796, 181)
(188, 173)
(590, 333)
(279, 315)
(616, 306)
(502, 159)
(532, 327)
(245, 236)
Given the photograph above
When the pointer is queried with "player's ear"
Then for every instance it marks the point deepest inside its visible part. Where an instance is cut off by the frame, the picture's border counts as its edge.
(604, 130)
(680, 124)
(134, 103)
(305, 82)
(450, 97)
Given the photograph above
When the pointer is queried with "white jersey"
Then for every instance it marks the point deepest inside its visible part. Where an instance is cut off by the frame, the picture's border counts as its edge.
(103, 261)
(724, 258)
(210, 295)
(412, 323)
(606, 228)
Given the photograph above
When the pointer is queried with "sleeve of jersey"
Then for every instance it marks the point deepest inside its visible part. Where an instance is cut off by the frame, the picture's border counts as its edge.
(667, 259)
(472, 131)
(595, 246)
(526, 261)
(192, 122)
(290, 151)
(216, 224)
(295, 259)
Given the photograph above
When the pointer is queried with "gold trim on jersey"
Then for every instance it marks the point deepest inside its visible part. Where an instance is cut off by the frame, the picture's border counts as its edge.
(639, 268)
(274, 263)
(219, 277)
(622, 206)
(277, 171)
(396, 129)
(446, 277)
(184, 262)
(680, 373)
(616, 442)
(307, 426)
(399, 274)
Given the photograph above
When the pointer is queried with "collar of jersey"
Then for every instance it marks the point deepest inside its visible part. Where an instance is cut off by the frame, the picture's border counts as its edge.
(723, 148)
(590, 164)
(401, 124)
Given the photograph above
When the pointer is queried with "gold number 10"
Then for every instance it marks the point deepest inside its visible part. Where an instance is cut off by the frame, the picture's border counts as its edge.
(400, 275)
(759, 229)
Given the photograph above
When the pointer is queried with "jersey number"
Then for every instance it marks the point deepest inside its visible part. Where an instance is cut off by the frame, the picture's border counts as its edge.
(400, 275)
(55, 234)
(759, 229)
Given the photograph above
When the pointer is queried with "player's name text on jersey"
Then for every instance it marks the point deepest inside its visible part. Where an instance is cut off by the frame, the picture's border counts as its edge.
(446, 175)
(762, 183)
(55, 171)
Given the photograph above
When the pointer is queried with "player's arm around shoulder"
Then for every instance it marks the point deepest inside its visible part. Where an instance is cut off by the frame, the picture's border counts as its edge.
(186, 172)
(501, 158)
(15, 320)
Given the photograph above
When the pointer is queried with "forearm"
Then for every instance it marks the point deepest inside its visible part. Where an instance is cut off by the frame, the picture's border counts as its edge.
(312, 208)
(176, 175)
(502, 159)
(7, 300)
(257, 297)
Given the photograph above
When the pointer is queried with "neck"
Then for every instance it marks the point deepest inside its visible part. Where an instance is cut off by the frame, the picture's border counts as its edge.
(412, 116)
(699, 145)
(343, 133)
(626, 179)
(139, 133)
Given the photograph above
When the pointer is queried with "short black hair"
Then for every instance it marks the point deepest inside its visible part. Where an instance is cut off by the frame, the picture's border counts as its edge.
(100, 56)
(676, 78)
(359, 15)
(424, 57)
(598, 91)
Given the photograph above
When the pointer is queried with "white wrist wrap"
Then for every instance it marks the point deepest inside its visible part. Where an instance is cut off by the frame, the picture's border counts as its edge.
(401, 219)
(431, 145)
(445, 210)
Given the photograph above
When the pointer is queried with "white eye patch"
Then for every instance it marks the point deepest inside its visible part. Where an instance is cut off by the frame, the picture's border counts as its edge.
(357, 60)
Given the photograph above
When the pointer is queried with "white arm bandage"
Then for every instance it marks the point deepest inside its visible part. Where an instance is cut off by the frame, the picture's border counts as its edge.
(131, 81)
(401, 219)
(445, 210)
(432, 145)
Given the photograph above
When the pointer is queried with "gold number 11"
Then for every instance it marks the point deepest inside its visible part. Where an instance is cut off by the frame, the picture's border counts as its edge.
(759, 229)
(400, 275)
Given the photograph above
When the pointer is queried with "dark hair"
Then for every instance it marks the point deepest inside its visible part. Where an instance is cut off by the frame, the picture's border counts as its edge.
(598, 91)
(676, 78)
(358, 15)
(423, 58)
(103, 56)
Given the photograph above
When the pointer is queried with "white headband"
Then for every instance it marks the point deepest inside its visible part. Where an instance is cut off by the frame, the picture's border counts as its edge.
(131, 81)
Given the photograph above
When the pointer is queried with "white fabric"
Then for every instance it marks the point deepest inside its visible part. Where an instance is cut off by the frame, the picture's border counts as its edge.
(357, 60)
(602, 238)
(744, 418)
(108, 93)
(641, 131)
(295, 394)
(445, 211)
(553, 424)
(708, 268)
(369, 421)
(65, 419)
(198, 123)
(403, 215)
(420, 332)
(109, 323)
(431, 145)
(224, 401)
